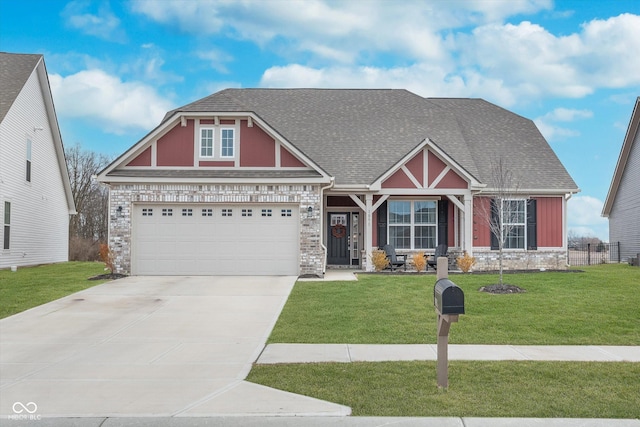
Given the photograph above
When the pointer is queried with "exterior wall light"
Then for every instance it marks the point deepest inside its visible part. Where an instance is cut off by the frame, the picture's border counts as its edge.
(310, 212)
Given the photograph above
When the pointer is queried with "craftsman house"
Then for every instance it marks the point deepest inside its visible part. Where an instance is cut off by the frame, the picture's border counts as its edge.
(290, 181)
(35, 194)
(622, 205)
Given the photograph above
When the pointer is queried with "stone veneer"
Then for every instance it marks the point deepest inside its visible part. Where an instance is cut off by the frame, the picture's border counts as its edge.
(125, 195)
(548, 259)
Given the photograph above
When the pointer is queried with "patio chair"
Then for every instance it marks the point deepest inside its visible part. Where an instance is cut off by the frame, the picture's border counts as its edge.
(441, 250)
(394, 259)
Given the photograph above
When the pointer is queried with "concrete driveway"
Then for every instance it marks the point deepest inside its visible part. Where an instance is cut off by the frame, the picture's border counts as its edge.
(147, 346)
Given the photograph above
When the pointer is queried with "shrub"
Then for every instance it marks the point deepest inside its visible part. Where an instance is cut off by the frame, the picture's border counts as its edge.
(107, 256)
(465, 262)
(379, 259)
(83, 249)
(419, 261)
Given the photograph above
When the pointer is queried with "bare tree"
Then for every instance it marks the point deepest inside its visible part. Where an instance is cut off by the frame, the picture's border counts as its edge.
(89, 227)
(505, 213)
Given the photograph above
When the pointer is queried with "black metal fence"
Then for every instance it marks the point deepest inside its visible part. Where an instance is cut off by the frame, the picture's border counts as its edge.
(594, 253)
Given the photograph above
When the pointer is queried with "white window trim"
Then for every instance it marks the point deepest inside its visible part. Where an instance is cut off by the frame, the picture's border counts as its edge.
(233, 142)
(506, 224)
(412, 223)
(213, 142)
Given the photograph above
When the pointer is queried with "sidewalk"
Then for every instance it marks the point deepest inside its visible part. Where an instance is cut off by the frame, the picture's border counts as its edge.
(345, 353)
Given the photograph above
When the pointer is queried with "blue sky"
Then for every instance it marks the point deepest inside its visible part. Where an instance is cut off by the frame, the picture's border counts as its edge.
(115, 67)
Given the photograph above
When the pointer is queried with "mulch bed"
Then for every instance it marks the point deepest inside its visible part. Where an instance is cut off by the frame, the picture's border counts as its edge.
(502, 289)
(108, 276)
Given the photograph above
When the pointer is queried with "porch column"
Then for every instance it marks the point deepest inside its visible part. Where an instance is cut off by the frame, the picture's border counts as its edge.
(468, 224)
(368, 232)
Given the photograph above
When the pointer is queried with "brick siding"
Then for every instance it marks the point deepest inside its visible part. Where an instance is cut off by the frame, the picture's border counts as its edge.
(311, 253)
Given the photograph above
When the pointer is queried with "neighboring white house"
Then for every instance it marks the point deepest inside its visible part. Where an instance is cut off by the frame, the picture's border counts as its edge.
(622, 205)
(35, 194)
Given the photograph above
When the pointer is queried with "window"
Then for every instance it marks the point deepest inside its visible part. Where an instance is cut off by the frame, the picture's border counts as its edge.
(285, 212)
(7, 225)
(167, 212)
(187, 212)
(247, 212)
(206, 142)
(147, 212)
(207, 212)
(227, 212)
(226, 142)
(266, 212)
(514, 223)
(412, 224)
(28, 160)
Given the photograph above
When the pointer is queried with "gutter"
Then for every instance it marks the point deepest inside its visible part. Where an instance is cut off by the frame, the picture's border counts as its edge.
(322, 245)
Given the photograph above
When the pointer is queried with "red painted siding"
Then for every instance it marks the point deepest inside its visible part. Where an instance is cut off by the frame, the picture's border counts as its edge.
(288, 160)
(207, 121)
(227, 122)
(549, 218)
(175, 148)
(143, 159)
(212, 163)
(257, 148)
(398, 180)
(452, 180)
(416, 167)
(436, 166)
(481, 232)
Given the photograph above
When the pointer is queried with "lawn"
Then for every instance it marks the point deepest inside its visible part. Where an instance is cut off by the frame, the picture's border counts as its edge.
(476, 389)
(598, 306)
(32, 286)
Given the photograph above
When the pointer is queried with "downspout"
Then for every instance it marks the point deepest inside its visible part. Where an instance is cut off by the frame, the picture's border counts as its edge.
(322, 245)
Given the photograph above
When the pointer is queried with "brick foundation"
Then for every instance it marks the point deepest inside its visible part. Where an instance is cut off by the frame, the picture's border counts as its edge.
(521, 260)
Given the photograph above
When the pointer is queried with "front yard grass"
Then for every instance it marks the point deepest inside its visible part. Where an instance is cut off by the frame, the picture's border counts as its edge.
(32, 286)
(476, 389)
(596, 307)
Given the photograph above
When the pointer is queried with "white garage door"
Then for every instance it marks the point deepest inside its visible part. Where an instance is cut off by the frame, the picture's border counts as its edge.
(182, 239)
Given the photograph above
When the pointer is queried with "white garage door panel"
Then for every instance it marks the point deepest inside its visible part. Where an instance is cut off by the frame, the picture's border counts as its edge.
(232, 244)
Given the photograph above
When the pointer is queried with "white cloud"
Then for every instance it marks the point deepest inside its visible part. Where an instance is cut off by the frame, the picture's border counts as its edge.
(583, 216)
(217, 58)
(103, 24)
(337, 31)
(569, 66)
(115, 106)
(504, 62)
(423, 79)
(550, 130)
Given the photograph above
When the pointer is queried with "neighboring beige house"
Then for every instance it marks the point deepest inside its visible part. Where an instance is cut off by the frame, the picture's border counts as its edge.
(622, 205)
(290, 181)
(35, 194)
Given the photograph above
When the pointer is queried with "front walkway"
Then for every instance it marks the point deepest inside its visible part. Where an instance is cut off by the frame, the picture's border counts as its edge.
(345, 353)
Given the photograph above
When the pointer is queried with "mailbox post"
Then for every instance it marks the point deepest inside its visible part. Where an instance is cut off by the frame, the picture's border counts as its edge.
(448, 300)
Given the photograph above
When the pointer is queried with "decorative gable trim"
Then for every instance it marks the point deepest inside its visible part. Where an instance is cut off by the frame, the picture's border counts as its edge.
(423, 149)
(150, 140)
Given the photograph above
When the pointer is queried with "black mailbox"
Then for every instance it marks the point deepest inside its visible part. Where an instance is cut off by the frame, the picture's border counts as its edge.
(448, 297)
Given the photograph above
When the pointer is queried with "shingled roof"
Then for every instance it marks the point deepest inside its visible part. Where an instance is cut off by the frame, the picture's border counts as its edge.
(15, 69)
(356, 135)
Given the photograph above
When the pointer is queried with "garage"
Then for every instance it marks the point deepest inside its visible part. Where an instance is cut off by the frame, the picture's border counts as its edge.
(213, 239)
